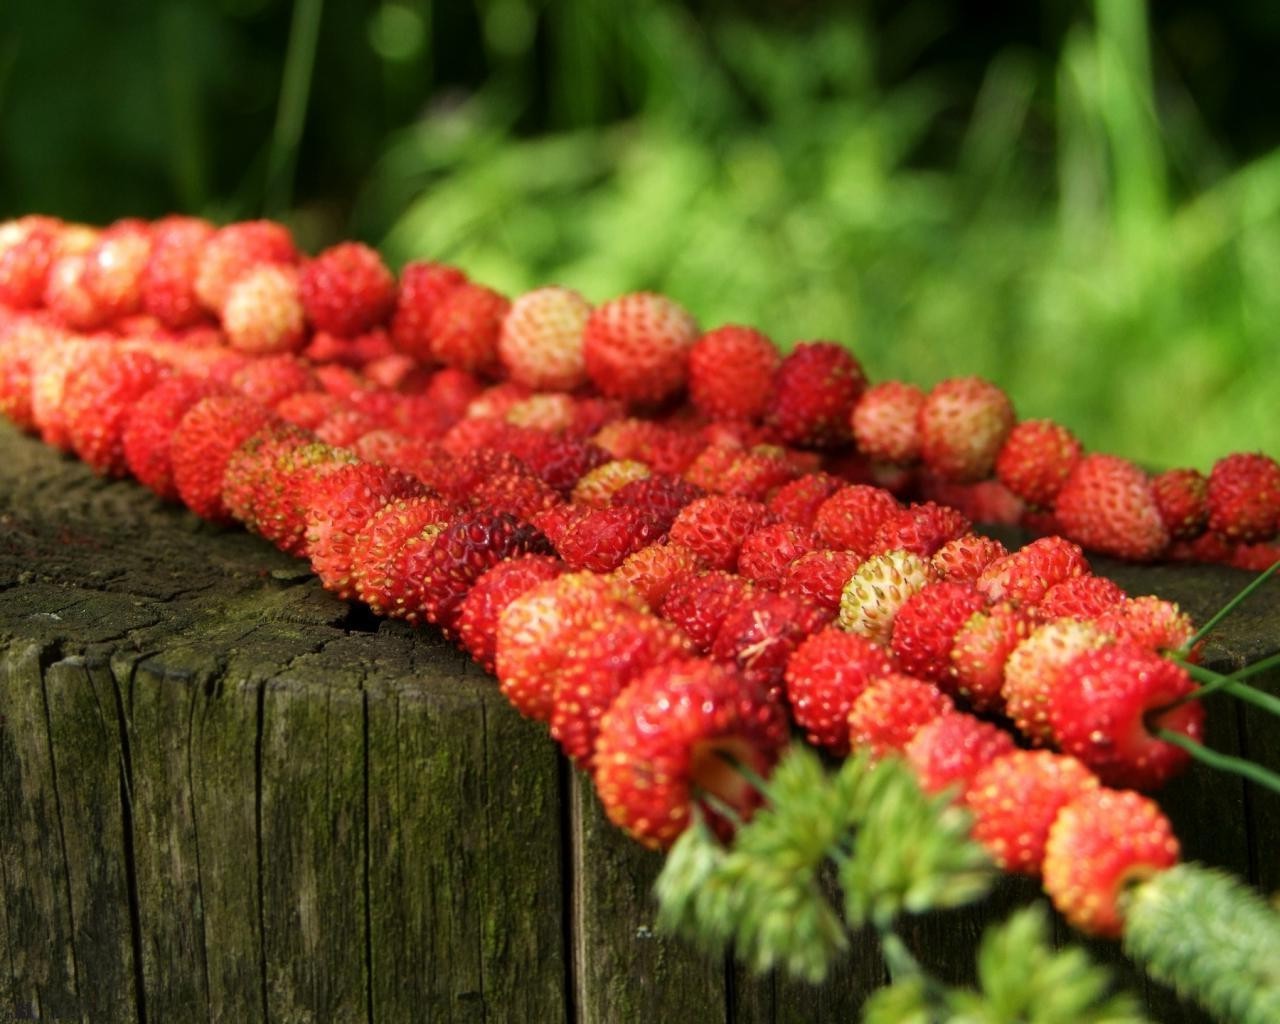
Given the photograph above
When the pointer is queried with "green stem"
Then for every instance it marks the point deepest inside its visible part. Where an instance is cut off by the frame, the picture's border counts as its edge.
(721, 807)
(291, 114)
(1228, 608)
(1215, 681)
(1223, 762)
(747, 772)
(902, 963)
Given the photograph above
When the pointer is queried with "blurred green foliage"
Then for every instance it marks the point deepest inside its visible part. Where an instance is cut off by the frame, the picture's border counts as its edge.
(1054, 197)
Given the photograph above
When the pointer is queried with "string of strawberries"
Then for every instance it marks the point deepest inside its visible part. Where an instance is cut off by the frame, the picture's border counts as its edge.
(668, 585)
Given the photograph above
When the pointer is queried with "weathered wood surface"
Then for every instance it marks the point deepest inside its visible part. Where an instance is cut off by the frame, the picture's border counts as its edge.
(226, 796)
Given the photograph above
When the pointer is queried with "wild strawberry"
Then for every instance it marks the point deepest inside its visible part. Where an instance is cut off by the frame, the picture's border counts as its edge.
(1182, 497)
(307, 409)
(665, 739)
(538, 627)
(254, 471)
(601, 538)
(522, 494)
(814, 392)
(600, 662)
(886, 422)
(636, 347)
(757, 472)
(964, 559)
(597, 487)
(891, 710)
(652, 569)
(1107, 504)
(798, 501)
(698, 603)
(1024, 576)
(878, 589)
(980, 501)
(766, 552)
(926, 626)
(540, 344)
(340, 381)
(1032, 670)
(98, 398)
(1081, 597)
(67, 296)
(1255, 557)
(396, 535)
(492, 592)
(235, 249)
(760, 634)
(820, 576)
(561, 462)
(344, 427)
(346, 289)
(270, 379)
(339, 506)
(422, 286)
(1015, 800)
(1244, 497)
(963, 423)
(168, 283)
(149, 426)
(28, 247)
(262, 311)
(1101, 843)
(710, 465)
(20, 343)
(1209, 547)
(464, 328)
(731, 373)
(850, 518)
(423, 459)
(825, 674)
(921, 529)
(715, 527)
(661, 495)
(202, 444)
(1036, 459)
(979, 651)
(1103, 711)
(113, 269)
(550, 413)
(952, 748)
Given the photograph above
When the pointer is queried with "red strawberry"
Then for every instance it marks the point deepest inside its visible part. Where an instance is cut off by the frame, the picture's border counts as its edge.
(825, 674)
(1101, 711)
(760, 634)
(963, 423)
(661, 495)
(850, 518)
(715, 527)
(258, 486)
(339, 506)
(262, 311)
(397, 534)
(664, 739)
(168, 283)
(21, 340)
(820, 576)
(699, 602)
(766, 552)
(347, 289)
(711, 463)
(886, 422)
(636, 347)
(540, 344)
(877, 591)
(601, 661)
(1024, 576)
(149, 426)
(757, 473)
(1082, 597)
(982, 501)
(597, 487)
(113, 269)
(1100, 844)
(422, 286)
(1015, 800)
(1107, 504)
(67, 296)
(464, 327)
(306, 409)
(921, 529)
(926, 626)
(344, 427)
(1036, 459)
(798, 501)
(1033, 668)
(1255, 557)
(98, 397)
(28, 247)
(1182, 497)
(1244, 497)
(235, 249)
(814, 392)
(964, 559)
(652, 569)
(561, 462)
(270, 379)
(538, 627)
(492, 592)
(202, 444)
(601, 538)
(731, 373)
(522, 494)
(891, 710)
(979, 651)
(952, 748)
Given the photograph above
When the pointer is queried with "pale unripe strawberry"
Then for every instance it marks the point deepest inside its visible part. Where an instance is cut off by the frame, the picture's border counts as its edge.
(262, 313)
(636, 347)
(963, 423)
(880, 587)
(540, 344)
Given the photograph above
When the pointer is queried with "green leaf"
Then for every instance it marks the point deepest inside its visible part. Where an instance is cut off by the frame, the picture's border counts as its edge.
(903, 1002)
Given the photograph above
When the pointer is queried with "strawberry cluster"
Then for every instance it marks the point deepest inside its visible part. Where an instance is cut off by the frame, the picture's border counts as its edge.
(667, 586)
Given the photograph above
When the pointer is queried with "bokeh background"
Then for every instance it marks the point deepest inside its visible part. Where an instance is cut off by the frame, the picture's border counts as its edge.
(1080, 202)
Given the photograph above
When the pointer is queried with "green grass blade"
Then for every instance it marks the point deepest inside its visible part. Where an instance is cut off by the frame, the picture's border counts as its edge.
(291, 113)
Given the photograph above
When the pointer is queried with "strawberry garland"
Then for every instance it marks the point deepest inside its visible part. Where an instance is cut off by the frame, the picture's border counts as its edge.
(667, 586)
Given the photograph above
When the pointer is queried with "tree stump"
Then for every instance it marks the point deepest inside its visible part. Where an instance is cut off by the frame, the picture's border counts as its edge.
(226, 795)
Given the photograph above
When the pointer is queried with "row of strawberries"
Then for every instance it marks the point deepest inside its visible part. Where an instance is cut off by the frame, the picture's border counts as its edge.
(542, 530)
